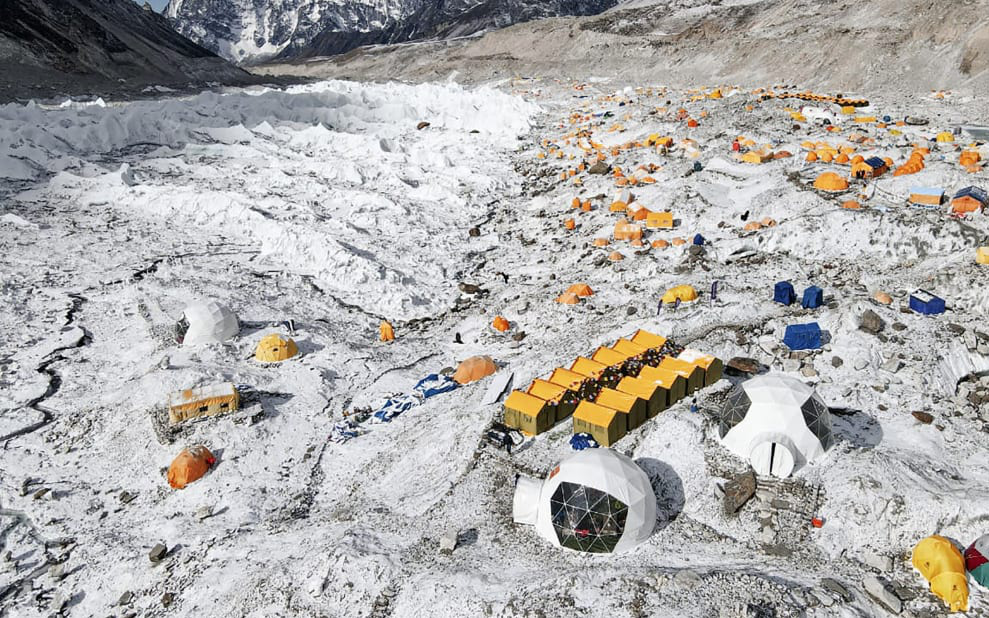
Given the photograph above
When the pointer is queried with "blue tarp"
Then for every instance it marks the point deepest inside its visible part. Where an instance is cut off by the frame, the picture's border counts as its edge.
(875, 163)
(802, 336)
(698, 239)
(580, 441)
(813, 298)
(431, 385)
(784, 293)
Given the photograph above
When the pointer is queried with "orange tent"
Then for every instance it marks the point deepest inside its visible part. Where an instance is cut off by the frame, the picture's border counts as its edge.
(851, 205)
(627, 231)
(752, 226)
(386, 332)
(473, 369)
(616, 256)
(811, 156)
(190, 466)
(660, 244)
(829, 181)
(568, 298)
(581, 289)
(570, 224)
(500, 324)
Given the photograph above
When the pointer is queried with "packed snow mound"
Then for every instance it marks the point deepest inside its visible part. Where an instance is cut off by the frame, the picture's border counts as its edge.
(330, 180)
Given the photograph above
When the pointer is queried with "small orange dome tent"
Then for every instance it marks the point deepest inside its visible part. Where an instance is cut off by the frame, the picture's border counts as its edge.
(829, 181)
(190, 465)
(473, 369)
(500, 324)
(616, 256)
(273, 349)
(386, 332)
(568, 298)
(581, 289)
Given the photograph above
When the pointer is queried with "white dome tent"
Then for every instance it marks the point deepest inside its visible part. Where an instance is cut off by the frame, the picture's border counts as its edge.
(206, 322)
(776, 422)
(597, 501)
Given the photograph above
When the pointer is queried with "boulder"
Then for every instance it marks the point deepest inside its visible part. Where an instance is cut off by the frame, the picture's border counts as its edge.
(157, 553)
(738, 491)
(741, 365)
(599, 168)
(870, 322)
(448, 542)
(883, 593)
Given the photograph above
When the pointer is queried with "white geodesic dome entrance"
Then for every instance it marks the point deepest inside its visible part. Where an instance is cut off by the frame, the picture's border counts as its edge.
(206, 322)
(777, 423)
(597, 501)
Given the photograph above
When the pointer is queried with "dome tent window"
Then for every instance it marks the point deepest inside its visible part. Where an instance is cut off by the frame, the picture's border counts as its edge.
(587, 519)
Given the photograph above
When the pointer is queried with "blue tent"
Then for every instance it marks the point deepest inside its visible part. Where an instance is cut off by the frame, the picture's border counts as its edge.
(813, 298)
(926, 303)
(803, 336)
(784, 293)
(698, 239)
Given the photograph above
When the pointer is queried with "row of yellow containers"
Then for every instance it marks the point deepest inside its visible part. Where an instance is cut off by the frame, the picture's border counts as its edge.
(615, 390)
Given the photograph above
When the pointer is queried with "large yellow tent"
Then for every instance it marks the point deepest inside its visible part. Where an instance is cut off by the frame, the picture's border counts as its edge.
(940, 562)
(683, 293)
(829, 181)
(273, 349)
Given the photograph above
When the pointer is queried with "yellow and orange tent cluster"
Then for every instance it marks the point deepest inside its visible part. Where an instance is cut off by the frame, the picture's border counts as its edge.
(615, 389)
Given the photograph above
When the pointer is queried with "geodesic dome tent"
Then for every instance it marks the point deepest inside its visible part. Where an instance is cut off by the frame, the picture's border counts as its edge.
(596, 501)
(206, 322)
(777, 423)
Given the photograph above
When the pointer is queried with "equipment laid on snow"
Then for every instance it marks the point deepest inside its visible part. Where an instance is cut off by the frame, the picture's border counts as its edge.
(430, 386)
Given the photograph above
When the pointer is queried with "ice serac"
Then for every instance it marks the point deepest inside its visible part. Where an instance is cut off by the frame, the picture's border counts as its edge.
(53, 47)
(247, 31)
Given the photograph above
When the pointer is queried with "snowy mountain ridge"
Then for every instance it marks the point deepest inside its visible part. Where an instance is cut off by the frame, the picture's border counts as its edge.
(250, 31)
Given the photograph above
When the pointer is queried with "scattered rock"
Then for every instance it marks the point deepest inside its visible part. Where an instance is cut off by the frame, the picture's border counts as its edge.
(167, 599)
(519, 336)
(836, 361)
(56, 572)
(630, 311)
(808, 371)
(696, 250)
(58, 602)
(741, 365)
(687, 579)
(870, 322)
(157, 553)
(790, 365)
(125, 598)
(899, 326)
(126, 497)
(860, 364)
(883, 593)
(470, 288)
(203, 512)
(38, 495)
(599, 168)
(956, 329)
(422, 125)
(892, 365)
(880, 562)
(838, 588)
(738, 491)
(448, 542)
(474, 232)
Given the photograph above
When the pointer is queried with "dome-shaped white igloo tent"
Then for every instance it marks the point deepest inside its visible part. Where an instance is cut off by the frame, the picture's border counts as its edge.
(597, 501)
(206, 322)
(776, 422)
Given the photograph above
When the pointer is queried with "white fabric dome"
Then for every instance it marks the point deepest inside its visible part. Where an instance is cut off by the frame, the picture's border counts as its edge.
(209, 322)
(596, 501)
(776, 422)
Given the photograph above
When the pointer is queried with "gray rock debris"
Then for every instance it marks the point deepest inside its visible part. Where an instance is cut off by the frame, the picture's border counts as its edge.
(870, 322)
(880, 562)
(448, 542)
(738, 491)
(157, 553)
(883, 593)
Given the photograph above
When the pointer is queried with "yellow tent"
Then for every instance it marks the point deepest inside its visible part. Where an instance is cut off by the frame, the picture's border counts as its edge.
(940, 562)
(945, 136)
(386, 331)
(683, 293)
(829, 181)
(473, 369)
(273, 349)
(982, 255)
